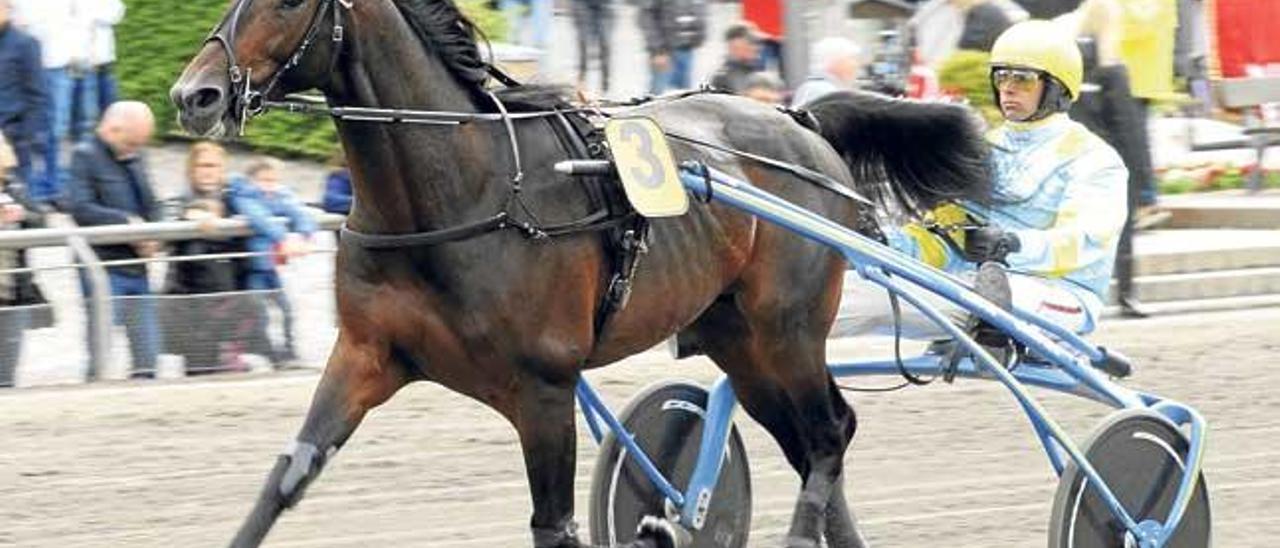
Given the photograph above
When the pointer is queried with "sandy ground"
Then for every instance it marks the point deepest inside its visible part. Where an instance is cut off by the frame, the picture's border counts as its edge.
(178, 463)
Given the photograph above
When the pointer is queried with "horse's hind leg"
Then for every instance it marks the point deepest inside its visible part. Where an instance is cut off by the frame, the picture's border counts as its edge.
(357, 378)
(779, 375)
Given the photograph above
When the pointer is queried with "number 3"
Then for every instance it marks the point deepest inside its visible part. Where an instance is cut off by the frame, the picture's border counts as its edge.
(634, 135)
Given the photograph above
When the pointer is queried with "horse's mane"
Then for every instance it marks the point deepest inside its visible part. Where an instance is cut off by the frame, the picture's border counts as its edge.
(445, 31)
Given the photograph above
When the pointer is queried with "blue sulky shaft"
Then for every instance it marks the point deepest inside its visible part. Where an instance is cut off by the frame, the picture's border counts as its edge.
(590, 400)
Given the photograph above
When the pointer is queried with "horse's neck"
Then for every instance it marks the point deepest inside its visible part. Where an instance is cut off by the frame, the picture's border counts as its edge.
(408, 178)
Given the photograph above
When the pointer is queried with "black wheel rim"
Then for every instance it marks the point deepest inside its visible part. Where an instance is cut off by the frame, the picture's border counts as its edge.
(666, 421)
(1141, 457)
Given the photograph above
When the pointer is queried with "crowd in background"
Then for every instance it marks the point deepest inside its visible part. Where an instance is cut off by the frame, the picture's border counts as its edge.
(58, 100)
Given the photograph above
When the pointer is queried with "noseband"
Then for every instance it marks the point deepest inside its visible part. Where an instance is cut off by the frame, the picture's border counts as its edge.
(247, 102)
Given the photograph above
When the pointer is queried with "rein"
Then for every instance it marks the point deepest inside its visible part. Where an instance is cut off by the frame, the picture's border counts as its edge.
(247, 103)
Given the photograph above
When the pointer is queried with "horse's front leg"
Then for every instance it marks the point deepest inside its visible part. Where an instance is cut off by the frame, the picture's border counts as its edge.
(543, 415)
(358, 377)
(543, 418)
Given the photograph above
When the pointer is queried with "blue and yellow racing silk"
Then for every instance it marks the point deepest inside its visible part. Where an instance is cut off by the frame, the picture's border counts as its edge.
(1061, 190)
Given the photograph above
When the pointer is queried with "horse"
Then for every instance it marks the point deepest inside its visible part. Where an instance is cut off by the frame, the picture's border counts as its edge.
(508, 319)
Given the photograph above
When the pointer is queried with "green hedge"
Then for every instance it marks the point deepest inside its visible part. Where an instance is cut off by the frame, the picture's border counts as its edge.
(965, 73)
(158, 37)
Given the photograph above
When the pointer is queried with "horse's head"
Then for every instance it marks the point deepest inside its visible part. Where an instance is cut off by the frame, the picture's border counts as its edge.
(262, 49)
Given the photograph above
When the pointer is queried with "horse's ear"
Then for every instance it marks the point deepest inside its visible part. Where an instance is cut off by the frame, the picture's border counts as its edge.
(930, 152)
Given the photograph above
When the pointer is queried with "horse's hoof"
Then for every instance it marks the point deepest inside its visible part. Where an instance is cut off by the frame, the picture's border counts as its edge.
(800, 542)
(655, 532)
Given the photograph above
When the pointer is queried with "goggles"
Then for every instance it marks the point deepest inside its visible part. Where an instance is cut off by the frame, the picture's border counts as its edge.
(1015, 78)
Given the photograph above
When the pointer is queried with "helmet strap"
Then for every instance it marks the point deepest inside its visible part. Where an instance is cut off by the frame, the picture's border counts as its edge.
(1054, 99)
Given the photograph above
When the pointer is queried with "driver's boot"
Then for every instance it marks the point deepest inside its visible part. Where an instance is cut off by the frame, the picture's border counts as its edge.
(992, 283)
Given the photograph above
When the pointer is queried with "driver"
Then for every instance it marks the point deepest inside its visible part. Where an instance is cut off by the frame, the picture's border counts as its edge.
(1056, 215)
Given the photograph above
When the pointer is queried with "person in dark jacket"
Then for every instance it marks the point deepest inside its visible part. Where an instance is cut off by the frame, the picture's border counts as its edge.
(24, 97)
(109, 185)
(1109, 109)
(672, 29)
(206, 327)
(593, 21)
(742, 58)
(337, 186)
(20, 299)
(984, 20)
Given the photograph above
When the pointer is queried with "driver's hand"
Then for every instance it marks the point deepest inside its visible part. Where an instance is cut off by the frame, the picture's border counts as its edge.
(989, 243)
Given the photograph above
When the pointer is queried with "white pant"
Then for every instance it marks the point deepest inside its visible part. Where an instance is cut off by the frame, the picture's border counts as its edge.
(865, 308)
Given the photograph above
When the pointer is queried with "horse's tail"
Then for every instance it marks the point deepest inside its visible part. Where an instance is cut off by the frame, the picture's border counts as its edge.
(928, 152)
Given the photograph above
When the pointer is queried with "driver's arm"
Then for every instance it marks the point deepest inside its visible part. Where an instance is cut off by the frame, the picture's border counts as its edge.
(924, 245)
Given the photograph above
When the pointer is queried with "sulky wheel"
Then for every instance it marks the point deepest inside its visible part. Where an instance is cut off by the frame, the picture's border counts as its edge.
(666, 420)
(1140, 456)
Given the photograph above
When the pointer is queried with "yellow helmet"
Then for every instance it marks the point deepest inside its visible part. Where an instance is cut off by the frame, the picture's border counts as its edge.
(1041, 45)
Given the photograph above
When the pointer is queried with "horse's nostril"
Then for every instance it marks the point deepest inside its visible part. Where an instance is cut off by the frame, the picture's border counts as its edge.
(203, 98)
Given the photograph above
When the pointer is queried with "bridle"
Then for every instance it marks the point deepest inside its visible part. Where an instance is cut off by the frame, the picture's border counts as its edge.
(247, 102)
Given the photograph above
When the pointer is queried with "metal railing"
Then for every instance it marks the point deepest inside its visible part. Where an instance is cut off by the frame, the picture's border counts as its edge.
(95, 281)
(1248, 94)
(165, 231)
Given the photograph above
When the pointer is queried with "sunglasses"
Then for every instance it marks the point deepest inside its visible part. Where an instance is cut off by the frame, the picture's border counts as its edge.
(1017, 79)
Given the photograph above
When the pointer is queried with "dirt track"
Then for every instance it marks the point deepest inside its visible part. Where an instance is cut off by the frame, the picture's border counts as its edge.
(177, 464)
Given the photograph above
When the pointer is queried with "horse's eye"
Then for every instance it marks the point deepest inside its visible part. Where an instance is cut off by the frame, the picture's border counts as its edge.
(290, 4)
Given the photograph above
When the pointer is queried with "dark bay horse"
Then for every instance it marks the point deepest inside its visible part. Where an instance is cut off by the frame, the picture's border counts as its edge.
(508, 320)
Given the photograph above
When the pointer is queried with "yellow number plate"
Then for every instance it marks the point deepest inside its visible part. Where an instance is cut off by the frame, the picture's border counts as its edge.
(646, 167)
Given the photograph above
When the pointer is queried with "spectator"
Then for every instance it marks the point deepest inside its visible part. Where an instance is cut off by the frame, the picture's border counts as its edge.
(337, 185)
(530, 24)
(95, 86)
(742, 58)
(593, 21)
(984, 20)
(766, 15)
(259, 197)
(24, 98)
(1110, 109)
(18, 291)
(1147, 32)
(109, 185)
(764, 87)
(835, 65)
(672, 29)
(939, 26)
(58, 25)
(219, 317)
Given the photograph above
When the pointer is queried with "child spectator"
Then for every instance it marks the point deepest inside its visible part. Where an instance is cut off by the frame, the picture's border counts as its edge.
(259, 196)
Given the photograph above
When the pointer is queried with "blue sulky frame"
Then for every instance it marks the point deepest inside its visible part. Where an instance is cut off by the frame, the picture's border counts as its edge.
(1071, 363)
